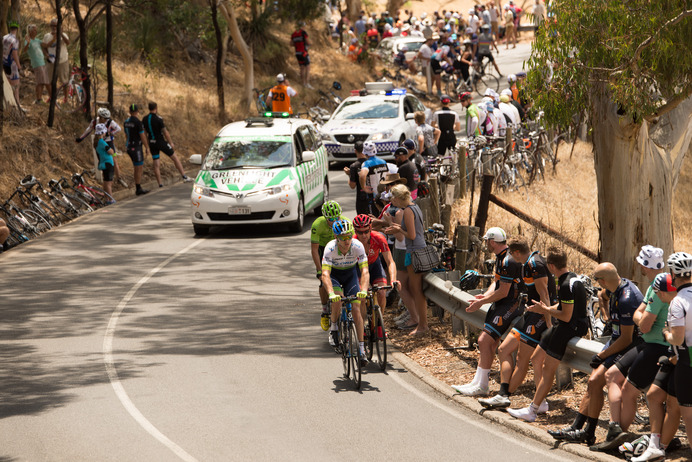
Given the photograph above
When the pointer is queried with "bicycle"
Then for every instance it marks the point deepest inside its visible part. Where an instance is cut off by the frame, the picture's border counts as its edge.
(73, 91)
(34, 203)
(437, 237)
(95, 195)
(348, 342)
(70, 201)
(55, 210)
(373, 326)
(261, 100)
(599, 326)
(30, 223)
(478, 81)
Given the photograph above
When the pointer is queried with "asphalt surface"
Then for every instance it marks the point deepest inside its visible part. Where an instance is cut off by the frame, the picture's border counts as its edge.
(126, 338)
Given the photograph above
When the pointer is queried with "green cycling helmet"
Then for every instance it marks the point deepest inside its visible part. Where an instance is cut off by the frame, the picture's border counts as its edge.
(343, 227)
(331, 210)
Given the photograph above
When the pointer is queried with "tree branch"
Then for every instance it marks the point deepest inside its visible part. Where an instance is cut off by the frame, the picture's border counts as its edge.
(667, 107)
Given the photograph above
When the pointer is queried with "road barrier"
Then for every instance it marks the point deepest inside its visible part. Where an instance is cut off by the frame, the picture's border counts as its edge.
(453, 300)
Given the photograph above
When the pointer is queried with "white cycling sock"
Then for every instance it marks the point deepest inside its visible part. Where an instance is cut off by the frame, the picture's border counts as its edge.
(361, 346)
(477, 377)
(334, 326)
(484, 377)
(655, 440)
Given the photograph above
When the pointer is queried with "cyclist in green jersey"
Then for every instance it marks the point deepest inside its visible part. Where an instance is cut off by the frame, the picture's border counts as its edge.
(320, 235)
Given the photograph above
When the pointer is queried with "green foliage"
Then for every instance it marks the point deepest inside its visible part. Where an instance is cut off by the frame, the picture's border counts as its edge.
(97, 38)
(300, 10)
(591, 42)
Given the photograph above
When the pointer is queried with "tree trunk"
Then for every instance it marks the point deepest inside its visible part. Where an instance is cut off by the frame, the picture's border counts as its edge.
(16, 10)
(54, 77)
(637, 169)
(109, 52)
(245, 51)
(4, 11)
(393, 6)
(353, 8)
(219, 61)
(83, 59)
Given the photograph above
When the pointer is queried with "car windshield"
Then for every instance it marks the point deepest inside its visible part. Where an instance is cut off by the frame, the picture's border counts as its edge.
(249, 152)
(368, 109)
(411, 46)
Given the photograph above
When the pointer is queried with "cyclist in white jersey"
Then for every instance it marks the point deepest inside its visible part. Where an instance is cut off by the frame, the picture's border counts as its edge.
(342, 260)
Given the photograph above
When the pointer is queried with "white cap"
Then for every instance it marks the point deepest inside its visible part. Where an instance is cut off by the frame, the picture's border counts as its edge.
(100, 129)
(280, 77)
(472, 11)
(506, 92)
(651, 257)
(423, 15)
(496, 234)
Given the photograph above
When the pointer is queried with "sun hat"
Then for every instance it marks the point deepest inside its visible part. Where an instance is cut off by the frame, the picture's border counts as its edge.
(393, 178)
(100, 129)
(651, 257)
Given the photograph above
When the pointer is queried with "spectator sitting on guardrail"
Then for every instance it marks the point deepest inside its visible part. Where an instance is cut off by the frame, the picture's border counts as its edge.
(664, 411)
(623, 298)
(526, 334)
(570, 313)
(4, 233)
(639, 365)
(506, 301)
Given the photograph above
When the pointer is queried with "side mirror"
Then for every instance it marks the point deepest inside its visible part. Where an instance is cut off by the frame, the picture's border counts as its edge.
(309, 156)
(410, 116)
(196, 159)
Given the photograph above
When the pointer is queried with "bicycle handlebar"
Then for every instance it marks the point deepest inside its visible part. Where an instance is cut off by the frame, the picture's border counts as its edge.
(376, 289)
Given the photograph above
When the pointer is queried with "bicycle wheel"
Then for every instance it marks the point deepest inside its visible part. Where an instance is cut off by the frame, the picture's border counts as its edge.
(36, 221)
(380, 339)
(73, 96)
(487, 81)
(102, 196)
(78, 203)
(354, 356)
(344, 341)
(368, 331)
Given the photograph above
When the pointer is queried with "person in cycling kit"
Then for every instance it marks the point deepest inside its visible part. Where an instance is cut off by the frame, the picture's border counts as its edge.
(320, 235)
(371, 173)
(345, 272)
(103, 116)
(136, 140)
(486, 42)
(160, 140)
(447, 120)
(300, 42)
(475, 116)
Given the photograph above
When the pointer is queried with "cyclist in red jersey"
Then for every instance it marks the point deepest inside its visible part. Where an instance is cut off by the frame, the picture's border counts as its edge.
(375, 247)
(299, 40)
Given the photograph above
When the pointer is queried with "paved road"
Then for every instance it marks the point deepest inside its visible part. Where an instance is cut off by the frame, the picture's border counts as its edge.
(125, 338)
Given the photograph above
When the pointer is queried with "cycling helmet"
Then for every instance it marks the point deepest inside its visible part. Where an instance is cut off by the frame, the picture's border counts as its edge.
(331, 210)
(336, 85)
(465, 96)
(651, 257)
(469, 30)
(369, 148)
(495, 234)
(445, 99)
(362, 221)
(664, 283)
(100, 129)
(469, 280)
(403, 48)
(103, 113)
(467, 42)
(680, 264)
(511, 78)
(480, 141)
(423, 189)
(343, 227)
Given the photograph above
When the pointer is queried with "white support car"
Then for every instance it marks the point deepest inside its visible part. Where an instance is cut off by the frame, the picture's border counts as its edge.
(263, 170)
(383, 115)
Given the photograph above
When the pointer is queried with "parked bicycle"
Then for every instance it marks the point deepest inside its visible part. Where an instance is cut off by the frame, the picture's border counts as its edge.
(95, 196)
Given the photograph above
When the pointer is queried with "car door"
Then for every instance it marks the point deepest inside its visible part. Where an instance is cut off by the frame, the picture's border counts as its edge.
(410, 108)
(307, 171)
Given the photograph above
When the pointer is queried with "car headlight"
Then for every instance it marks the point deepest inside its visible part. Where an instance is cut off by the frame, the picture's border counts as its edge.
(202, 190)
(385, 135)
(274, 189)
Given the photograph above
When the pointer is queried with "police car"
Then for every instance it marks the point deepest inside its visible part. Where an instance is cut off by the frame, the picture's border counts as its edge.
(263, 170)
(381, 114)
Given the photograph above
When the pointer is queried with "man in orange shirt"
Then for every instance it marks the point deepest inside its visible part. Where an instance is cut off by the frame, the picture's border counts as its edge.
(280, 96)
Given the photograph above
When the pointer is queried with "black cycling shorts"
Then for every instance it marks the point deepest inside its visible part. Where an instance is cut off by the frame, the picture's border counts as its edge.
(640, 364)
(486, 54)
(108, 172)
(500, 317)
(531, 328)
(683, 378)
(665, 378)
(160, 146)
(555, 340)
(376, 271)
(615, 357)
(303, 58)
(136, 154)
(320, 252)
(435, 66)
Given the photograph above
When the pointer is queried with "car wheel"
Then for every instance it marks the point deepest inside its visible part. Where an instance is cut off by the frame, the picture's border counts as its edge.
(200, 230)
(297, 226)
(325, 198)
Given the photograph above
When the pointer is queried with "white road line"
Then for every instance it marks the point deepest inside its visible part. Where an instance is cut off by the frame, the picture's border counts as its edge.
(488, 427)
(113, 373)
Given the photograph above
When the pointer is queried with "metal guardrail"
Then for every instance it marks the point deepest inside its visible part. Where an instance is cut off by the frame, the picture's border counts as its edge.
(453, 300)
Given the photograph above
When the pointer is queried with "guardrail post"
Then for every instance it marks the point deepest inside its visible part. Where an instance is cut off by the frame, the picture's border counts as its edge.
(461, 165)
(483, 201)
(466, 244)
(430, 205)
(563, 376)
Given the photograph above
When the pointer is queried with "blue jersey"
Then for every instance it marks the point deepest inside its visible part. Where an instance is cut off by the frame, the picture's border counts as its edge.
(377, 169)
(104, 157)
(623, 303)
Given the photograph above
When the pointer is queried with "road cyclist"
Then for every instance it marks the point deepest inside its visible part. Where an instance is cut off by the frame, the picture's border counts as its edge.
(320, 235)
(345, 272)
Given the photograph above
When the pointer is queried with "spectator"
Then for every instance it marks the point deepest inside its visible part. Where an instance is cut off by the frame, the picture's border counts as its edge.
(494, 20)
(508, 110)
(462, 63)
(352, 171)
(475, 115)
(411, 229)
(636, 370)
(622, 298)
(160, 141)
(485, 45)
(664, 410)
(485, 15)
(679, 333)
(300, 42)
(526, 334)
(360, 27)
(50, 46)
(407, 171)
(136, 143)
(506, 305)
(510, 33)
(473, 21)
(38, 63)
(103, 116)
(538, 14)
(427, 135)
(105, 155)
(372, 171)
(416, 158)
(10, 59)
(448, 121)
(279, 97)
(424, 55)
(570, 313)
(373, 36)
(4, 234)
